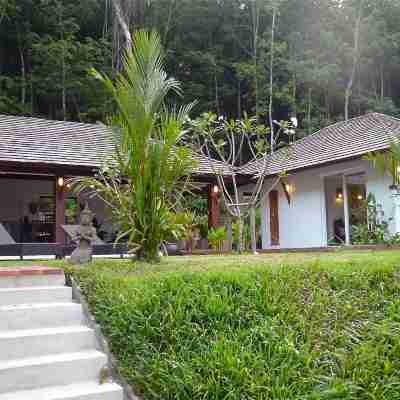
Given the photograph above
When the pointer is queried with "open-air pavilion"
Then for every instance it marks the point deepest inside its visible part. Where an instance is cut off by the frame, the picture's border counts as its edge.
(37, 157)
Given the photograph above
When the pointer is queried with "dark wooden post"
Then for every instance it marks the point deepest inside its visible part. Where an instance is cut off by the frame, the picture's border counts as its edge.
(61, 193)
(213, 206)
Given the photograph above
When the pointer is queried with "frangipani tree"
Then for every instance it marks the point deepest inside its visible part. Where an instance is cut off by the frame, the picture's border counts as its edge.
(240, 144)
(150, 170)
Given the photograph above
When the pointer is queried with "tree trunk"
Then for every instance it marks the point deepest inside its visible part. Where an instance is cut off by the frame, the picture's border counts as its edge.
(327, 106)
(256, 24)
(271, 78)
(239, 100)
(355, 61)
(168, 24)
(23, 75)
(309, 109)
(216, 93)
(123, 23)
(63, 68)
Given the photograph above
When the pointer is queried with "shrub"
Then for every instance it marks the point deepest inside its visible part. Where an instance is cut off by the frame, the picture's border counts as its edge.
(216, 238)
(312, 332)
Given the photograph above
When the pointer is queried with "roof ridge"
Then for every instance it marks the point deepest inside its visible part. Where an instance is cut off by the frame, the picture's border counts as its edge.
(97, 124)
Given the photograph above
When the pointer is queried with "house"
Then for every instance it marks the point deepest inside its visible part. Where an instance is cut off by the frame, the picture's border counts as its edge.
(328, 178)
(37, 156)
(326, 183)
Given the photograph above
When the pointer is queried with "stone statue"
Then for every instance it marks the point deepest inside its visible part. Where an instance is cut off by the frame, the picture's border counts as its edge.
(84, 236)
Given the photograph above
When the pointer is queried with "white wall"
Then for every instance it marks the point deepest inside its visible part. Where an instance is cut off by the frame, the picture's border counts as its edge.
(303, 223)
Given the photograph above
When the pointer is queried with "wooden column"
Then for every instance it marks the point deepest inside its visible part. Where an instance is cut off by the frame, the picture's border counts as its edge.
(346, 211)
(61, 194)
(213, 206)
(253, 230)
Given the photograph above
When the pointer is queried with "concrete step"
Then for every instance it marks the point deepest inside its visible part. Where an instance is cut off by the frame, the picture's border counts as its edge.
(81, 391)
(31, 276)
(40, 315)
(29, 343)
(53, 370)
(35, 294)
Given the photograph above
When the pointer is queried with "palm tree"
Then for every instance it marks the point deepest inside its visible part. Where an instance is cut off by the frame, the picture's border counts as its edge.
(150, 170)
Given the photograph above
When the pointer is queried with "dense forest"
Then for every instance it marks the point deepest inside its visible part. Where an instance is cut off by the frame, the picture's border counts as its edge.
(321, 60)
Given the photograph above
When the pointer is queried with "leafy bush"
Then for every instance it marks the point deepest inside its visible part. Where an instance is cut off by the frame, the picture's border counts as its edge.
(376, 230)
(313, 331)
(216, 238)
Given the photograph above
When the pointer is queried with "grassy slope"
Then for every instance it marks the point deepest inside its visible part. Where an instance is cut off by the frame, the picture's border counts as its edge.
(269, 327)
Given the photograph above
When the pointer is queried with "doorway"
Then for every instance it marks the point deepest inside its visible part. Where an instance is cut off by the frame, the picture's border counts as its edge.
(274, 217)
(345, 206)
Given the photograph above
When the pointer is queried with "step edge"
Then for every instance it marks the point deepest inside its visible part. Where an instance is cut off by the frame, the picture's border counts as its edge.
(52, 359)
(26, 306)
(91, 386)
(33, 288)
(35, 332)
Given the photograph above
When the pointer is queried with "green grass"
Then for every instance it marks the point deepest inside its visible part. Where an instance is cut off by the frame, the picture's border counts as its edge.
(299, 326)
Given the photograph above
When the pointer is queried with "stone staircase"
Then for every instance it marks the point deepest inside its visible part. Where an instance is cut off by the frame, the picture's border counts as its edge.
(46, 350)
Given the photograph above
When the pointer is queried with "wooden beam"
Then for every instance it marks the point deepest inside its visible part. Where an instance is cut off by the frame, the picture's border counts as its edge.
(253, 230)
(213, 206)
(60, 195)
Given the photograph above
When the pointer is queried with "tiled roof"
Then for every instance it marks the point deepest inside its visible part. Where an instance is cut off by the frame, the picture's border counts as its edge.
(341, 141)
(35, 140)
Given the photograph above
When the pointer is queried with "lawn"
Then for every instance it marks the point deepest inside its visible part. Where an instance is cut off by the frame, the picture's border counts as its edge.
(282, 326)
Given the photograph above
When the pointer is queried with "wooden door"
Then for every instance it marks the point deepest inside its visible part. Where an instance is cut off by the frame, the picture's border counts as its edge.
(274, 217)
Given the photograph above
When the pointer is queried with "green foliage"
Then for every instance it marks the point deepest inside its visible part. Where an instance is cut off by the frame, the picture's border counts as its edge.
(220, 50)
(376, 230)
(189, 222)
(388, 162)
(216, 238)
(274, 327)
(150, 171)
(202, 221)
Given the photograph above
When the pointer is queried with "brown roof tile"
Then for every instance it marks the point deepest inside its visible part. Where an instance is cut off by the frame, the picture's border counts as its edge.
(36, 140)
(341, 141)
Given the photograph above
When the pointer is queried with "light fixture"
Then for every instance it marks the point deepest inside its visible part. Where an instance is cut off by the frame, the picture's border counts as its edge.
(215, 189)
(288, 188)
(339, 195)
(359, 197)
(60, 182)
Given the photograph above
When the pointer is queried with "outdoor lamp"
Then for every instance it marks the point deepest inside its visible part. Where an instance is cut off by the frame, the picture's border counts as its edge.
(60, 181)
(339, 195)
(216, 189)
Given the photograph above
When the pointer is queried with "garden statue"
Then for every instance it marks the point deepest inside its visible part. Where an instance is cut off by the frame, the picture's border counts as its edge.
(84, 236)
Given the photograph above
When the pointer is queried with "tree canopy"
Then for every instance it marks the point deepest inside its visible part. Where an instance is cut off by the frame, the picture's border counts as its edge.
(324, 52)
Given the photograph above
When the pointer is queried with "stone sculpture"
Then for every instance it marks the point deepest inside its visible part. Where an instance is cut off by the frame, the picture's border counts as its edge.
(84, 236)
